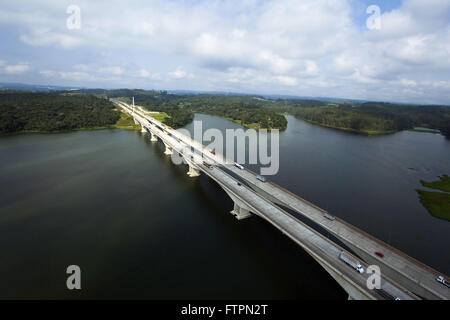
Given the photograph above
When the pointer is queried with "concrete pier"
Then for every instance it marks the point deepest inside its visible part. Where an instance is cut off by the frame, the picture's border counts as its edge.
(193, 172)
(168, 150)
(240, 213)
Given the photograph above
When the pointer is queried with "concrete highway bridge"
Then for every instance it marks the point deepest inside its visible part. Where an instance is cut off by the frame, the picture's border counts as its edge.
(402, 277)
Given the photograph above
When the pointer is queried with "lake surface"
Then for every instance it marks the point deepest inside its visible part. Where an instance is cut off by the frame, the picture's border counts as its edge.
(111, 202)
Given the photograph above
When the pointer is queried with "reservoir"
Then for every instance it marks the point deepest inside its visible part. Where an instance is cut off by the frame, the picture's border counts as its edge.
(112, 203)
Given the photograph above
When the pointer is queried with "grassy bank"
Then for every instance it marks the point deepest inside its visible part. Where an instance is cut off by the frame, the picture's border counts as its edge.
(364, 132)
(437, 203)
(425, 131)
(126, 122)
(255, 126)
(442, 184)
(161, 116)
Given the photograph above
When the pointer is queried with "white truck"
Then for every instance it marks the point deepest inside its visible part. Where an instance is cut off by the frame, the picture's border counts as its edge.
(442, 280)
(354, 264)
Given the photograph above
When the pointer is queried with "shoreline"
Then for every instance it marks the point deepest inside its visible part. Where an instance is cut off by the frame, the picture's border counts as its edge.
(350, 130)
(65, 131)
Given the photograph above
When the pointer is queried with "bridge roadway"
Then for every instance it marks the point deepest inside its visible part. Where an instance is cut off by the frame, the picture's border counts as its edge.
(407, 271)
(288, 224)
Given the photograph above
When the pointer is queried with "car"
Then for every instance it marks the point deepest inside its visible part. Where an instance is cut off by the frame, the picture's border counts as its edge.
(206, 164)
(239, 184)
(261, 178)
(238, 166)
(379, 254)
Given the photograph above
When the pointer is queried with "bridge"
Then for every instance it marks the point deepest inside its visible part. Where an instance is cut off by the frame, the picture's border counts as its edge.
(402, 277)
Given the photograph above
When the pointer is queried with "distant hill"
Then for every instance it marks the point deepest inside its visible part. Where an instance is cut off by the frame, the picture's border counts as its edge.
(51, 88)
(32, 87)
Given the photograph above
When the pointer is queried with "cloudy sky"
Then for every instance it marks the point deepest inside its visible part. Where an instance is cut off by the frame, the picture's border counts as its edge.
(331, 48)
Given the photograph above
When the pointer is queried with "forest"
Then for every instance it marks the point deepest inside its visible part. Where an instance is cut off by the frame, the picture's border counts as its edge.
(377, 117)
(87, 108)
(249, 111)
(50, 112)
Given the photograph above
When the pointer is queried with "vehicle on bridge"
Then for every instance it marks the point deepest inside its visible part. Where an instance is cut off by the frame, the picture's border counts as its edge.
(261, 178)
(206, 164)
(442, 280)
(238, 165)
(354, 264)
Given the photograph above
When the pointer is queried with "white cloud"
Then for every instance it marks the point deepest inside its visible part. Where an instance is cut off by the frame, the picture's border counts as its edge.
(361, 78)
(311, 68)
(82, 67)
(77, 76)
(288, 81)
(179, 73)
(144, 73)
(408, 83)
(112, 70)
(308, 47)
(15, 69)
(48, 73)
(156, 76)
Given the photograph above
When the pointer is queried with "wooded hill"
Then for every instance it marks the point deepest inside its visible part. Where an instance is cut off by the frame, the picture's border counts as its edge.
(50, 112)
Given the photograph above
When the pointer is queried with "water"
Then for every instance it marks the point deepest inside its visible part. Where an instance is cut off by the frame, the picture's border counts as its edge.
(111, 202)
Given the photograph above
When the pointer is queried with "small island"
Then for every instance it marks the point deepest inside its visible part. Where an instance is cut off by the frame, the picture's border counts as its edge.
(437, 203)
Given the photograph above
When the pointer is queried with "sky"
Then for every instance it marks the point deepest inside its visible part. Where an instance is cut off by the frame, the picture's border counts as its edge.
(312, 48)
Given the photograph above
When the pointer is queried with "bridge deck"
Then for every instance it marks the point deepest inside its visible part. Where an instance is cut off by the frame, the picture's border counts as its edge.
(408, 267)
(303, 235)
(394, 259)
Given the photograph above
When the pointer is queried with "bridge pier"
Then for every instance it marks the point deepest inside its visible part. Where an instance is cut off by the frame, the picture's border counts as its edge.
(193, 172)
(168, 150)
(240, 210)
(153, 138)
(354, 291)
(240, 213)
(143, 130)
